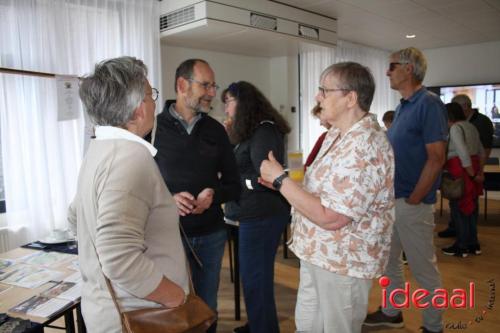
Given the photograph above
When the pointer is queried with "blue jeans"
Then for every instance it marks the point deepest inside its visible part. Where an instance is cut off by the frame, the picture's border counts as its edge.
(210, 250)
(465, 226)
(258, 242)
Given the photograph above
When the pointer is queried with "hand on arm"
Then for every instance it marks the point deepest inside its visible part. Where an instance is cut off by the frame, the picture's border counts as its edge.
(185, 202)
(167, 293)
(306, 203)
(432, 168)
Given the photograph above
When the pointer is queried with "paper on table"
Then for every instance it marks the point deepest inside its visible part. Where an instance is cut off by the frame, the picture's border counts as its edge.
(42, 258)
(4, 263)
(75, 277)
(65, 290)
(29, 276)
(41, 306)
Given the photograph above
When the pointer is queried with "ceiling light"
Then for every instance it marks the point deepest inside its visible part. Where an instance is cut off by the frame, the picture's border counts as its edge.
(411, 36)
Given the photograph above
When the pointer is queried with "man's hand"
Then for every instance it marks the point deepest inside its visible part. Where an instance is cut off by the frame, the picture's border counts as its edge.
(411, 201)
(185, 203)
(270, 169)
(203, 201)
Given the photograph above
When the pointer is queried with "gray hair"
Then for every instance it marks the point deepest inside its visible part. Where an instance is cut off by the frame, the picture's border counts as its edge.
(463, 100)
(415, 57)
(354, 77)
(115, 89)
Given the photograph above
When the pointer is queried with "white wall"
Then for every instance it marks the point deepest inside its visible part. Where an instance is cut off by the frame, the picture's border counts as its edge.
(227, 67)
(284, 84)
(276, 77)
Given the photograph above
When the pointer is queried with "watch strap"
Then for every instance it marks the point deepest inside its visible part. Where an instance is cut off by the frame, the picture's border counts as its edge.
(279, 181)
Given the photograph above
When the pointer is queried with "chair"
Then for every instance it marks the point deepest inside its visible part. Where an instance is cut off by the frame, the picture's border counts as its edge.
(491, 182)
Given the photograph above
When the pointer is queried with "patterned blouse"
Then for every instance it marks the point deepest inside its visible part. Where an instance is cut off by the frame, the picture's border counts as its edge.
(352, 175)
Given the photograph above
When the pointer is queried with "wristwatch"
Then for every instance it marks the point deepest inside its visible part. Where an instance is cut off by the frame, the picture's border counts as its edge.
(279, 181)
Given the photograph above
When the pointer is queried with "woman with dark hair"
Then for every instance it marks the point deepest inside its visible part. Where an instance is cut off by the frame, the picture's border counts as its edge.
(464, 158)
(256, 128)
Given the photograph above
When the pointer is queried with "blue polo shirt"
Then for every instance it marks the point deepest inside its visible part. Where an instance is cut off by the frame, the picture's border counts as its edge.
(419, 120)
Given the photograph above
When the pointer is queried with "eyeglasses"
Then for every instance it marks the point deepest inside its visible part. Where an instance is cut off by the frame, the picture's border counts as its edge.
(392, 65)
(229, 100)
(154, 94)
(324, 90)
(206, 85)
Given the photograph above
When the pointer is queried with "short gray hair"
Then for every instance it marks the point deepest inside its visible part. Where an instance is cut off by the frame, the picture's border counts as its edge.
(115, 89)
(415, 57)
(463, 100)
(354, 77)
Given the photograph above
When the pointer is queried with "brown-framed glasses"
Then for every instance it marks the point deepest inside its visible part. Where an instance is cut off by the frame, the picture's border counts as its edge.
(206, 85)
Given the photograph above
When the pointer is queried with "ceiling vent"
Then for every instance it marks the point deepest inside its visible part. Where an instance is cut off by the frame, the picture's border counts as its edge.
(256, 27)
(176, 18)
(263, 22)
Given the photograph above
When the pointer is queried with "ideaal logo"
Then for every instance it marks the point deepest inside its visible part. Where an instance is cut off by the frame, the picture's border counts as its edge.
(460, 298)
(462, 325)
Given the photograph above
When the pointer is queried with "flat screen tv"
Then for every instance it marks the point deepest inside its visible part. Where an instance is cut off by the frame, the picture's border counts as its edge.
(484, 97)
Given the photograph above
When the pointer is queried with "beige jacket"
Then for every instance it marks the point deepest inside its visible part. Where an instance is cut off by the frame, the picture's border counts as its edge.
(123, 207)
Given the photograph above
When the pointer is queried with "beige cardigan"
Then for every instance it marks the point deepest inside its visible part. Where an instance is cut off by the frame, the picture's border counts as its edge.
(123, 206)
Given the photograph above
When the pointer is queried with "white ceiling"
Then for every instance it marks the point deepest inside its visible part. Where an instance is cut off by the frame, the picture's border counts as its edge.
(385, 23)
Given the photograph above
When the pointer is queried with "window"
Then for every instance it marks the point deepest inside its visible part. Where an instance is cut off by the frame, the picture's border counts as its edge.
(2, 189)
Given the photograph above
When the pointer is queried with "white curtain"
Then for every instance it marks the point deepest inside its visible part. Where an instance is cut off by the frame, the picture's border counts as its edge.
(41, 156)
(314, 59)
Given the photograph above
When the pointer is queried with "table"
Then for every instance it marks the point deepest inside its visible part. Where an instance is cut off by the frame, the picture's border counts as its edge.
(491, 183)
(234, 227)
(16, 295)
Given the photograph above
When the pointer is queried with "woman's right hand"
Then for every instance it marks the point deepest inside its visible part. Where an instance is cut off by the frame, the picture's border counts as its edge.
(168, 293)
(177, 297)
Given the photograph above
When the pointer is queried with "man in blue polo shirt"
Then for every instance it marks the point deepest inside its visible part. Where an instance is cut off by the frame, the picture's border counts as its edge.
(418, 136)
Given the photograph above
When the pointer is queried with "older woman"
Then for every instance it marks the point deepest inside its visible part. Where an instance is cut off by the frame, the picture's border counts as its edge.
(126, 220)
(343, 215)
(256, 128)
(464, 158)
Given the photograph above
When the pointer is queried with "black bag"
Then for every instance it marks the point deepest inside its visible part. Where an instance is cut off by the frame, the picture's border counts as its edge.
(452, 188)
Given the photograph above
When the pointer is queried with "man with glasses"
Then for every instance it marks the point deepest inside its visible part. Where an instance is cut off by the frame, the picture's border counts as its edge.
(199, 168)
(418, 136)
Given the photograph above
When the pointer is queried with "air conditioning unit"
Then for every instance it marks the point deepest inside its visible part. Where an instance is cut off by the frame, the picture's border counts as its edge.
(250, 27)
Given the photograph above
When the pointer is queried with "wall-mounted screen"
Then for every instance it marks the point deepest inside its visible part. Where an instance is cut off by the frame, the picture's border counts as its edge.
(484, 97)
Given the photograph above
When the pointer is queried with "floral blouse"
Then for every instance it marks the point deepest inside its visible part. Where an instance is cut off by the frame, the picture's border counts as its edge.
(352, 175)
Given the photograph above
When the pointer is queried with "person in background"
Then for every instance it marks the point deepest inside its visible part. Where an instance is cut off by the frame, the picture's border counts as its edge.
(418, 136)
(484, 126)
(388, 118)
(464, 160)
(197, 162)
(256, 128)
(126, 219)
(343, 214)
(316, 112)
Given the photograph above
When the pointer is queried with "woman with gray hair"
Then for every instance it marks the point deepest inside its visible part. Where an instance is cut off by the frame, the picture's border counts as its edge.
(126, 219)
(343, 213)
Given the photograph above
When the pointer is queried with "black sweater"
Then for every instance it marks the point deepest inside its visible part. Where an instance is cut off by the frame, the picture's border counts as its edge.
(257, 201)
(193, 162)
